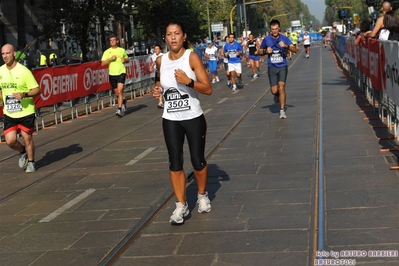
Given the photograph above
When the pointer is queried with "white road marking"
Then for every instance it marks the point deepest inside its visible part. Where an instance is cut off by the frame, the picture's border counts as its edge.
(141, 156)
(60, 210)
(222, 100)
(207, 111)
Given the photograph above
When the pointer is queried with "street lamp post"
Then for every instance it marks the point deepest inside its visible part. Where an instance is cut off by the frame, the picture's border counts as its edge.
(209, 21)
(245, 18)
(301, 16)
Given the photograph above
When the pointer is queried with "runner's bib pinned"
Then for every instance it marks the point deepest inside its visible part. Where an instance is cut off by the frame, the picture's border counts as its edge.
(176, 102)
(232, 54)
(276, 57)
(13, 105)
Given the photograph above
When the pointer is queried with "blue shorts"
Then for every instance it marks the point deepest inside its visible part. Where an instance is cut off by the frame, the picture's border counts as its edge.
(254, 57)
(213, 66)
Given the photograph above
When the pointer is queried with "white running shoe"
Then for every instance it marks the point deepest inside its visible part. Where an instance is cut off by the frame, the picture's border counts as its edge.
(282, 114)
(204, 204)
(234, 88)
(23, 160)
(228, 83)
(119, 112)
(217, 79)
(179, 213)
(255, 76)
(124, 105)
(213, 80)
(31, 167)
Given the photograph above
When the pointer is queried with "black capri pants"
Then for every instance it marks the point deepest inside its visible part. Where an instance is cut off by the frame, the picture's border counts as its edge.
(174, 133)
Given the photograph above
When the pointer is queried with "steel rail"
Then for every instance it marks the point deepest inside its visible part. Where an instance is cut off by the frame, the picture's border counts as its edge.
(113, 255)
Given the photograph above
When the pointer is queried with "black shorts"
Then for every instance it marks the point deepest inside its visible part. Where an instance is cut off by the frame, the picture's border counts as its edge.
(26, 124)
(277, 74)
(175, 132)
(114, 80)
(226, 66)
(306, 46)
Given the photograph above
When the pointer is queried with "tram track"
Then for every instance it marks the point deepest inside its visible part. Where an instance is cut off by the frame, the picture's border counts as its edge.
(116, 252)
(55, 139)
(318, 199)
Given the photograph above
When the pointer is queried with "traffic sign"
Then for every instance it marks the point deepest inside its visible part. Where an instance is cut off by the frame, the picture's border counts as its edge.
(217, 26)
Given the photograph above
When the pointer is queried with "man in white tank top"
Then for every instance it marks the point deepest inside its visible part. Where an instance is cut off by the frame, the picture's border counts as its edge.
(306, 43)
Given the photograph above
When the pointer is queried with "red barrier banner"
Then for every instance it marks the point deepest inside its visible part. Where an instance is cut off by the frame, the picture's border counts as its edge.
(350, 47)
(63, 83)
(60, 84)
(364, 58)
(138, 69)
(379, 61)
(374, 63)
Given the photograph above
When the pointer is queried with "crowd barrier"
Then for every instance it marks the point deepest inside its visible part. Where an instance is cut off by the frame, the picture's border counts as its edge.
(80, 86)
(374, 65)
(315, 37)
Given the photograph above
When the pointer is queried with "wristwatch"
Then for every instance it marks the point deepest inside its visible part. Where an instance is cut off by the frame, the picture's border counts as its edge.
(26, 95)
(191, 84)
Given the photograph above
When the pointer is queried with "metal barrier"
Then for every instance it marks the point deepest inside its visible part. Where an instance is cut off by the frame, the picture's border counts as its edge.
(369, 64)
(84, 105)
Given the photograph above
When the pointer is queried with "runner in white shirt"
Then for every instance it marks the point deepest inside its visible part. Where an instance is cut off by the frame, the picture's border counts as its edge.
(181, 77)
(306, 43)
(211, 52)
(153, 67)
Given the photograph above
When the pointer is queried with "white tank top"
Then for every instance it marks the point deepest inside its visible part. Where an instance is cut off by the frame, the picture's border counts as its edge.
(306, 39)
(181, 102)
(384, 35)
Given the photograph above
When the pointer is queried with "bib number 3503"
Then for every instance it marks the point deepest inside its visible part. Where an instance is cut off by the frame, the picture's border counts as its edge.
(178, 105)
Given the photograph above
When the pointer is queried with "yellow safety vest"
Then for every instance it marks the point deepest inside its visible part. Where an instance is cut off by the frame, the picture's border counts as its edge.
(43, 60)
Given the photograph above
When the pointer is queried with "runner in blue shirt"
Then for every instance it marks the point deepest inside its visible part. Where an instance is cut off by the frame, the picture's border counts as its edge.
(275, 46)
(232, 50)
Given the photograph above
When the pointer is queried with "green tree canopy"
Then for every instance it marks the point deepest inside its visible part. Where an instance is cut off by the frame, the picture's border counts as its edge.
(82, 19)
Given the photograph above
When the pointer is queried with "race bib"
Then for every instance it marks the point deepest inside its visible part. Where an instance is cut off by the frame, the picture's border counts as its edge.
(13, 105)
(175, 101)
(232, 54)
(212, 57)
(276, 57)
